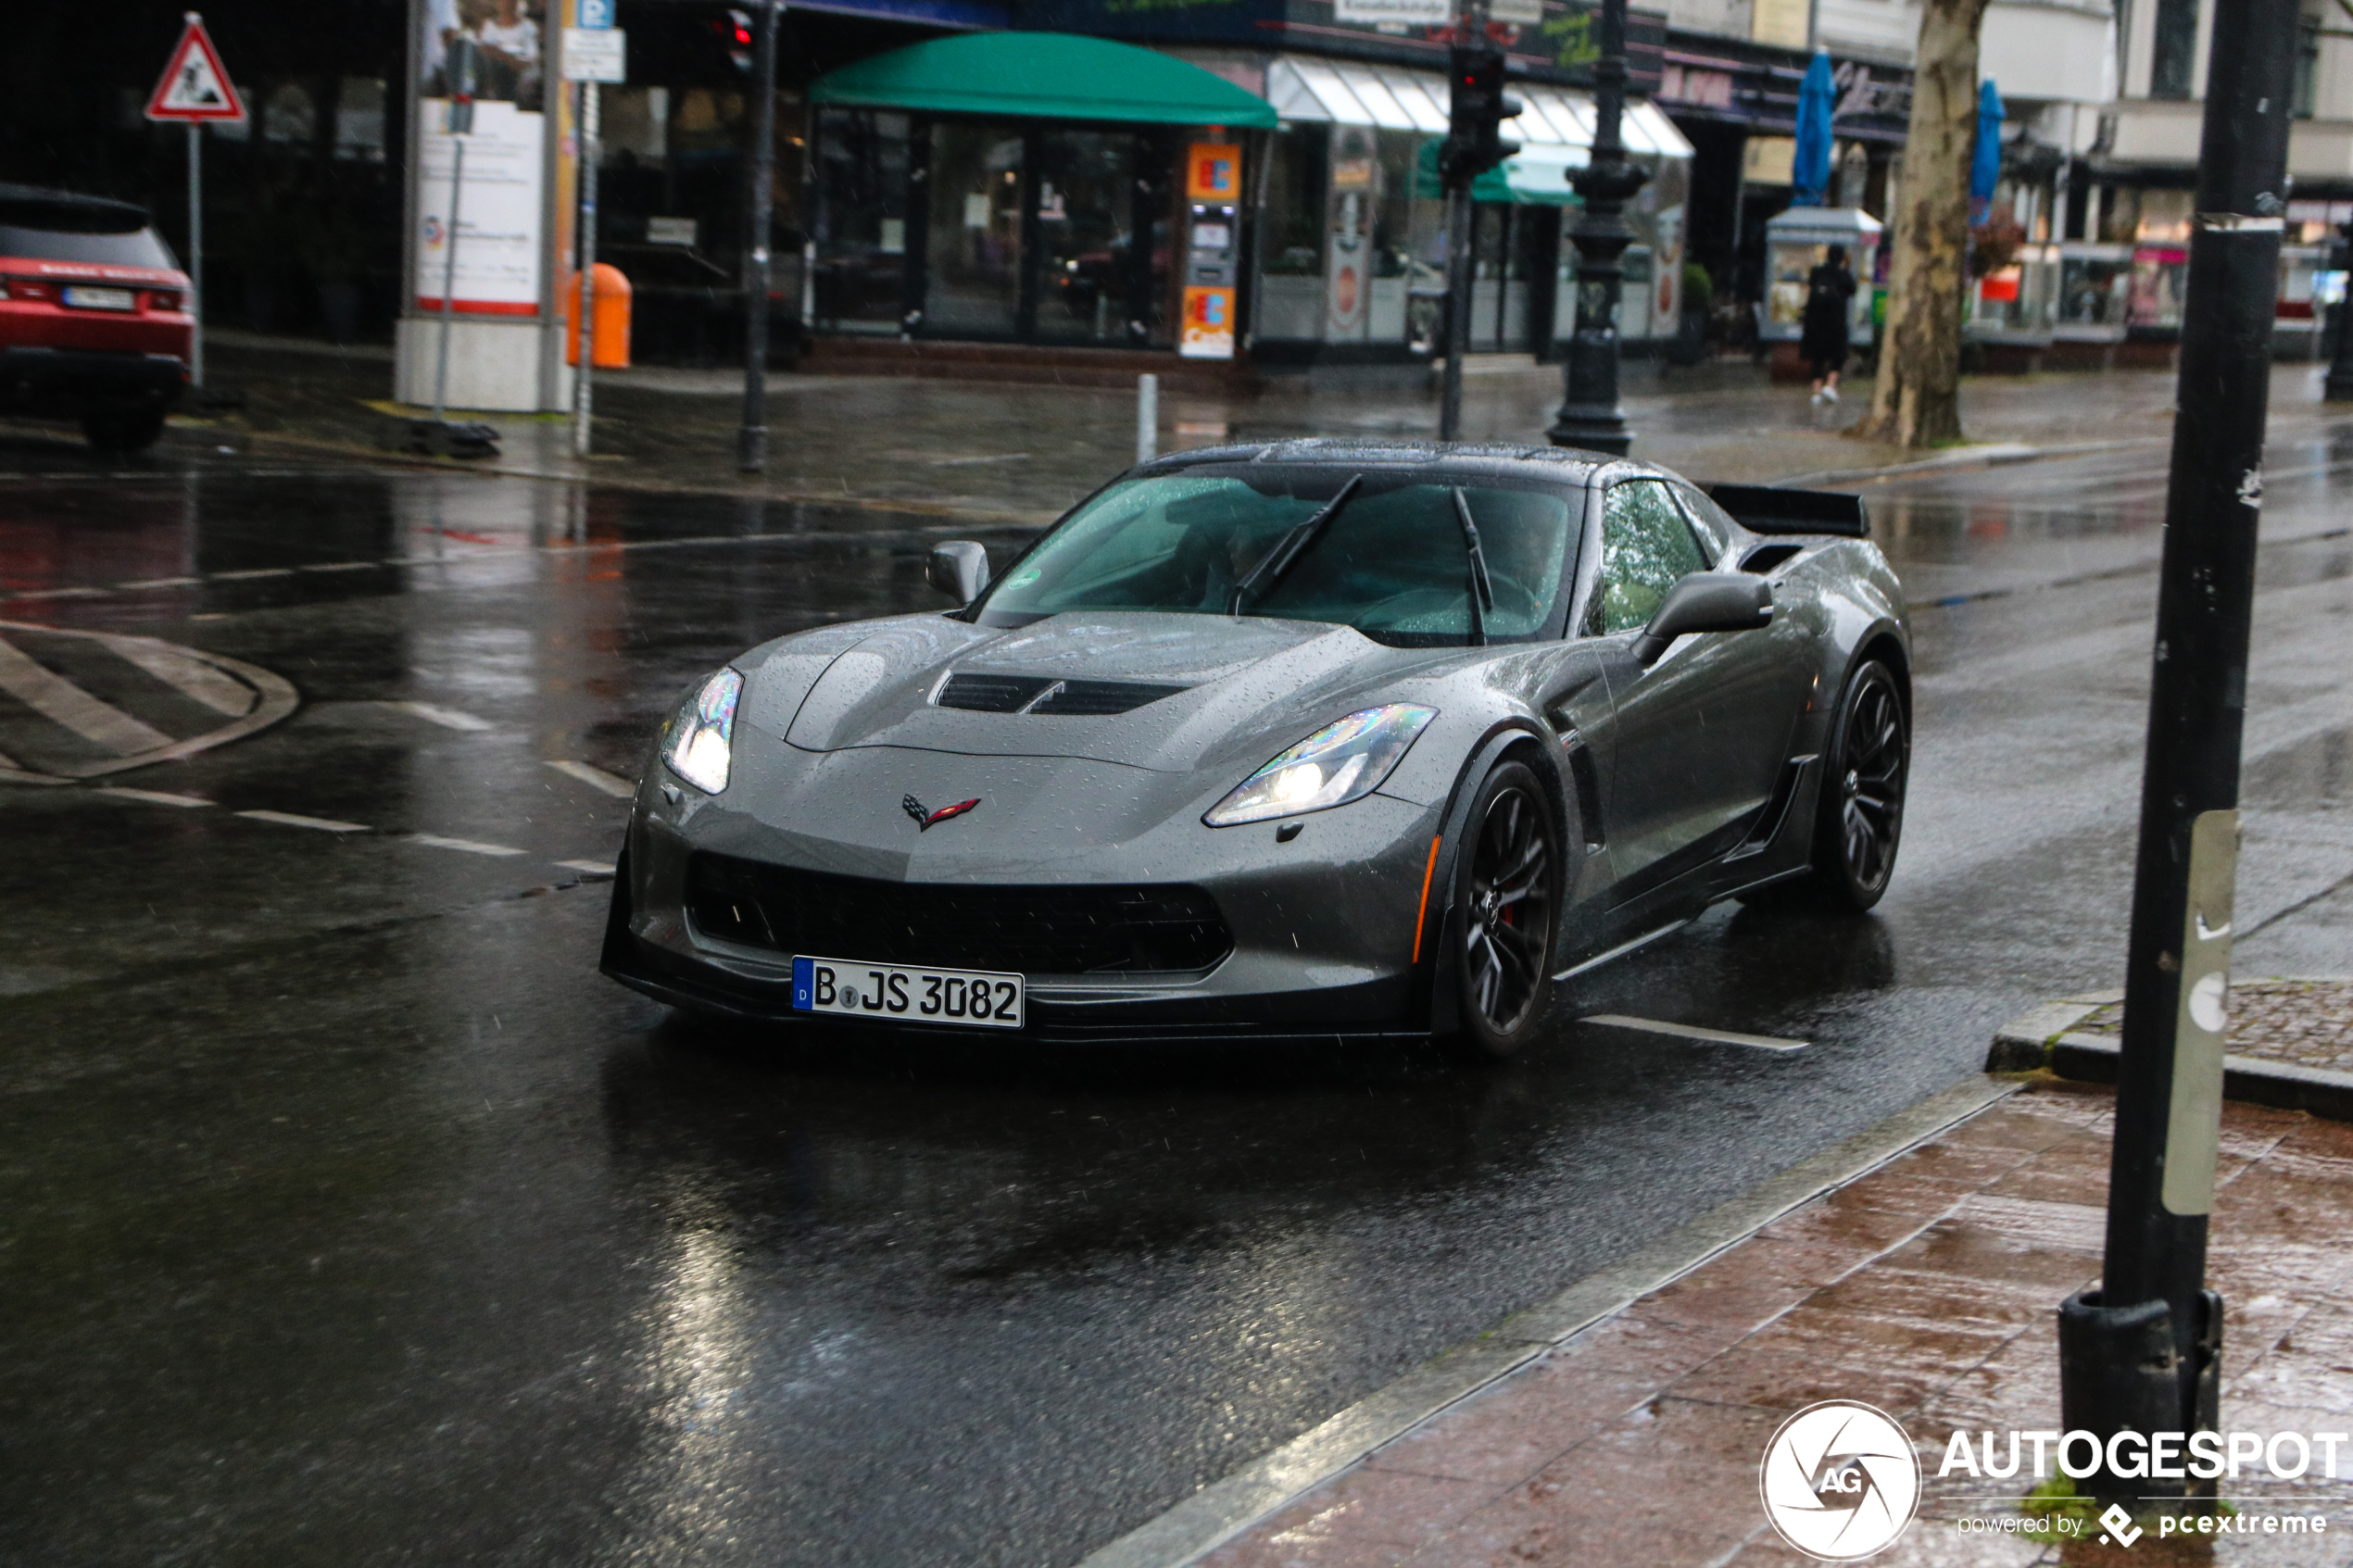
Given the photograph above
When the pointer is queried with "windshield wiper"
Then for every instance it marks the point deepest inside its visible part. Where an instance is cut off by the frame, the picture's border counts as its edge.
(1279, 560)
(1482, 594)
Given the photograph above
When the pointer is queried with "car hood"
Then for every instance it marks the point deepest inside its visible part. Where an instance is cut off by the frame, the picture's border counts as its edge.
(1242, 680)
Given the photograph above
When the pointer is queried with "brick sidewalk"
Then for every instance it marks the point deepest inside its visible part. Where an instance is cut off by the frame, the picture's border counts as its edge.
(1927, 1289)
(2308, 1022)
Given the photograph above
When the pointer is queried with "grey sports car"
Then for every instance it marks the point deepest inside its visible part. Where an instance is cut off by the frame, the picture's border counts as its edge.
(1309, 739)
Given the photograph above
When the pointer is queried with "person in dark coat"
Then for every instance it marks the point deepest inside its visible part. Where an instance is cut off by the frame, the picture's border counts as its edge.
(1822, 340)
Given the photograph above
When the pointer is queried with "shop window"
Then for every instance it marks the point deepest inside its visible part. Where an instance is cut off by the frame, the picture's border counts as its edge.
(360, 119)
(1295, 204)
(289, 116)
(633, 124)
(859, 224)
(2173, 55)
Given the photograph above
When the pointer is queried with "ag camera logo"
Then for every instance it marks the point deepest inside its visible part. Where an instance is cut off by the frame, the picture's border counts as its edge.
(1840, 1481)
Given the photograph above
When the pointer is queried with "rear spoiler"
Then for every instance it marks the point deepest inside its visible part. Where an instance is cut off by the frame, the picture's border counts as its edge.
(1764, 509)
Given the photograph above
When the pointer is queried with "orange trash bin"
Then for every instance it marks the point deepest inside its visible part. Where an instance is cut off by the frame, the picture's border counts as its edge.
(612, 320)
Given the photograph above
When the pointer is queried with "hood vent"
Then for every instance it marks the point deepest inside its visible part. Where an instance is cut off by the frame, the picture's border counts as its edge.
(992, 694)
(1032, 693)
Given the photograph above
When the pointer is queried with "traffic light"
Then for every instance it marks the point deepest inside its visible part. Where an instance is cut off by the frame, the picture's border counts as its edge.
(1477, 108)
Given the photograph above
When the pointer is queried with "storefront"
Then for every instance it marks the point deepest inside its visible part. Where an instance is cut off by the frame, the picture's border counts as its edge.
(1022, 187)
(1024, 214)
(1351, 257)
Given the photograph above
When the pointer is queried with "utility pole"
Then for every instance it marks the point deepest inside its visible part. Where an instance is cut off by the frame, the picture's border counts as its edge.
(1589, 416)
(751, 442)
(2143, 1352)
(1476, 108)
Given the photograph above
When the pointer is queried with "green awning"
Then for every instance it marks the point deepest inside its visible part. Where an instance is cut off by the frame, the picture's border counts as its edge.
(1535, 176)
(1044, 75)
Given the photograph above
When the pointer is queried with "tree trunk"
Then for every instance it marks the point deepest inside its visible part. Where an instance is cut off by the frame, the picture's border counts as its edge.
(1916, 401)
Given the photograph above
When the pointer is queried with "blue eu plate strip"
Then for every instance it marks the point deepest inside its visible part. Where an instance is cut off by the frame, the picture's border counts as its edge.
(803, 979)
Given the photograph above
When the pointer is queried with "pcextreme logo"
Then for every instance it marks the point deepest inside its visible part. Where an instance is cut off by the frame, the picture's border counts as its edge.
(1840, 1481)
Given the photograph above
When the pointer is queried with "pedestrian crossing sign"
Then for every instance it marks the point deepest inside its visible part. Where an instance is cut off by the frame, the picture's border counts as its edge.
(195, 86)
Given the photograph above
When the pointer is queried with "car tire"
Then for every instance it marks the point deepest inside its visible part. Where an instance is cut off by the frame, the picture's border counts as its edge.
(133, 431)
(1859, 824)
(1506, 916)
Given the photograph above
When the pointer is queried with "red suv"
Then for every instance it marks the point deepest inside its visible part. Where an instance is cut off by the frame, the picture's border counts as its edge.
(94, 315)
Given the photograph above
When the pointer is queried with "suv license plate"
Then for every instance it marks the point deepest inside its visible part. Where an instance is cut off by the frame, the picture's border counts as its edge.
(896, 993)
(84, 298)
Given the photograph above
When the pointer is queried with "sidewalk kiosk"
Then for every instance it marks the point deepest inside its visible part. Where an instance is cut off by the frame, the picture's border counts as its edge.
(1798, 241)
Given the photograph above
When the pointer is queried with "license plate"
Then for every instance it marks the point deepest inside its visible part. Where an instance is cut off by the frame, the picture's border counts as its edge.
(83, 298)
(893, 993)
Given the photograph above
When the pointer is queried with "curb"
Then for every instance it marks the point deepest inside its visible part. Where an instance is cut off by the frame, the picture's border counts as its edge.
(2046, 1037)
(1224, 1509)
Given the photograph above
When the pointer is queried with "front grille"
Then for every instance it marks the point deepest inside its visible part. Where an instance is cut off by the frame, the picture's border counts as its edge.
(1015, 693)
(1133, 930)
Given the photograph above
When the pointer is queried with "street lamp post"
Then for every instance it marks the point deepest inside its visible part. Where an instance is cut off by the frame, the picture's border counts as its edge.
(1589, 416)
(751, 440)
(2143, 1354)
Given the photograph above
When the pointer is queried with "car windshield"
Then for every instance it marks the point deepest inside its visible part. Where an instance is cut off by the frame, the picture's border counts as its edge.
(60, 234)
(1392, 559)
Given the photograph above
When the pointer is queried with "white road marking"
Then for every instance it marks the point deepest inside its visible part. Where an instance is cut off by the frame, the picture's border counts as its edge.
(325, 825)
(472, 847)
(338, 566)
(248, 576)
(597, 778)
(184, 672)
(447, 718)
(161, 582)
(60, 700)
(593, 868)
(1692, 1032)
(152, 797)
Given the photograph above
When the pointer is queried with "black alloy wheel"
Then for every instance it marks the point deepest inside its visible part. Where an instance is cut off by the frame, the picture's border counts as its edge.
(1506, 910)
(1862, 822)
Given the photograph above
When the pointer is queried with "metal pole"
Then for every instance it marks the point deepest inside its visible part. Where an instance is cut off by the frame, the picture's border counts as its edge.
(1462, 240)
(2338, 386)
(195, 254)
(1147, 417)
(1589, 416)
(448, 281)
(584, 290)
(751, 444)
(2143, 1352)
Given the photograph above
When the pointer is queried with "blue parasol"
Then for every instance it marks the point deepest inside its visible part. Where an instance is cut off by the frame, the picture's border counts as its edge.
(1810, 170)
(1985, 166)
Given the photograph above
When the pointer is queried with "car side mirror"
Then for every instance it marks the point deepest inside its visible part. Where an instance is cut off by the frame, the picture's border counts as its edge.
(1705, 601)
(958, 568)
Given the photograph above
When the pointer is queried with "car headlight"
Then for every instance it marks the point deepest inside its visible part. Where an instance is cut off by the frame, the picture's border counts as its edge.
(700, 738)
(1338, 763)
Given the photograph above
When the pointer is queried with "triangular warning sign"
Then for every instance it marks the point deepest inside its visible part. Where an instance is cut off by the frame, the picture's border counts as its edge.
(195, 86)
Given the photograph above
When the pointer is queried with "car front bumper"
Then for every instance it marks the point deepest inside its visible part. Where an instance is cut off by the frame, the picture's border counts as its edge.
(1322, 923)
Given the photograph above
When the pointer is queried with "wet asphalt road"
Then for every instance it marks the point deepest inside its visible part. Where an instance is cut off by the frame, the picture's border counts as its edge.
(345, 1215)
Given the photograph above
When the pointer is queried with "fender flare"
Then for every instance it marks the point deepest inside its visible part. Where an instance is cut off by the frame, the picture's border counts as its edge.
(1440, 916)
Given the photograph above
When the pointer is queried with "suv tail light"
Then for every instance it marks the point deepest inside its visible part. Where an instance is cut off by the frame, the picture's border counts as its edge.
(163, 299)
(26, 288)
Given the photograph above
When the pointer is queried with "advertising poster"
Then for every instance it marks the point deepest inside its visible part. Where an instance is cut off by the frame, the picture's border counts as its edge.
(502, 208)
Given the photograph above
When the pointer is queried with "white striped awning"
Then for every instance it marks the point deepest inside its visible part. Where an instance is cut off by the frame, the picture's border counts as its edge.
(1341, 92)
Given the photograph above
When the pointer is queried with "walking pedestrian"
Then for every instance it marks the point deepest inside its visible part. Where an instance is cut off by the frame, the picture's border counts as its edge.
(1823, 337)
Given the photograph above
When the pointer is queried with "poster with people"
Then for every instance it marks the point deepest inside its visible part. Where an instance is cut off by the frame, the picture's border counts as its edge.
(494, 53)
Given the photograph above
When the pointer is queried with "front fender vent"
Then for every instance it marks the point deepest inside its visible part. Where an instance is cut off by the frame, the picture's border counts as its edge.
(1036, 694)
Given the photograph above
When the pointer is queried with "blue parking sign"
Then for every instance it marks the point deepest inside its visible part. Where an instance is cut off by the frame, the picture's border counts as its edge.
(593, 16)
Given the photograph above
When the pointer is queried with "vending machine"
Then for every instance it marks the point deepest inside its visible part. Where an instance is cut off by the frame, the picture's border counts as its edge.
(1213, 249)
